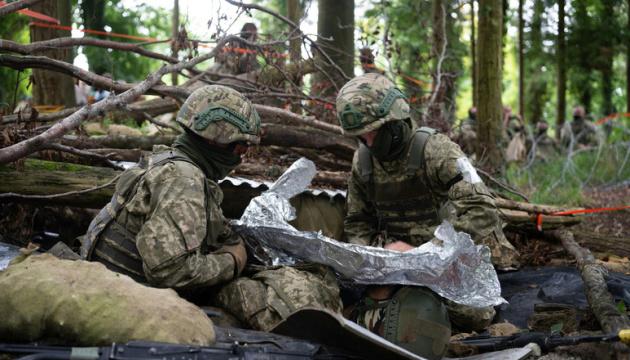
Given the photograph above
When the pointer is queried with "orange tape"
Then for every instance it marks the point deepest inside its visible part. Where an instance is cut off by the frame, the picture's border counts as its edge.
(96, 32)
(34, 14)
(539, 217)
(611, 117)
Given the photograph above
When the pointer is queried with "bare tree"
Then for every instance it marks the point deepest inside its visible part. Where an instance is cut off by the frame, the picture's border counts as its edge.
(521, 61)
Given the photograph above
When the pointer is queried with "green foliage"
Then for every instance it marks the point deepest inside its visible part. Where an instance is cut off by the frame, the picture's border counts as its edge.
(13, 27)
(144, 20)
(559, 181)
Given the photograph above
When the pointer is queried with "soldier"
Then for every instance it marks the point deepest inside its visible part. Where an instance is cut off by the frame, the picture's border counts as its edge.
(579, 133)
(514, 136)
(164, 224)
(404, 182)
(466, 136)
(545, 146)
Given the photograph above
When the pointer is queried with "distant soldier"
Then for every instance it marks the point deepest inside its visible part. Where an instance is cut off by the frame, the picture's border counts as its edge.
(545, 146)
(466, 134)
(404, 181)
(366, 57)
(514, 136)
(239, 58)
(580, 132)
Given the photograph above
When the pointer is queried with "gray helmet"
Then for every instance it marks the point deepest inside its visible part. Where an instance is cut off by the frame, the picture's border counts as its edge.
(220, 114)
(417, 320)
(367, 102)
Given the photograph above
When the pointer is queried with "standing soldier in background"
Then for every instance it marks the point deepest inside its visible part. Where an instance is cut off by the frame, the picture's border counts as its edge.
(579, 133)
(514, 136)
(404, 182)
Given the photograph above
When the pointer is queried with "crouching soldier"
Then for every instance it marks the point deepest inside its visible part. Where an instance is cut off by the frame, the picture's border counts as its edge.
(164, 225)
(404, 182)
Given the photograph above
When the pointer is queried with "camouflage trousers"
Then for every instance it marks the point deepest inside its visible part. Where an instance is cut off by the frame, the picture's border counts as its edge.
(463, 318)
(270, 296)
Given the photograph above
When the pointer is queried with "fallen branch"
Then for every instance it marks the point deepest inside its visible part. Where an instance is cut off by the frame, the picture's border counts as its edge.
(16, 5)
(528, 207)
(26, 147)
(599, 299)
(84, 153)
(271, 112)
(64, 42)
(43, 62)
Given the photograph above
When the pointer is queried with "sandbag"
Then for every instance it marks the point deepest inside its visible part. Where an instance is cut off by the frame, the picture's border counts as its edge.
(43, 298)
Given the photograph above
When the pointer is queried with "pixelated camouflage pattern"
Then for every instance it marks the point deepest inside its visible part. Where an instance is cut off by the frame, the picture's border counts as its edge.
(270, 296)
(365, 93)
(469, 207)
(467, 318)
(221, 132)
(175, 218)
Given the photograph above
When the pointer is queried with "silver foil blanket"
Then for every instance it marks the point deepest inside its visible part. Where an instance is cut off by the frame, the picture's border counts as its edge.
(451, 264)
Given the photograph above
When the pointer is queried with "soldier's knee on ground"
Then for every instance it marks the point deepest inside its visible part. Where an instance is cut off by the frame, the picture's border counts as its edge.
(467, 319)
(270, 296)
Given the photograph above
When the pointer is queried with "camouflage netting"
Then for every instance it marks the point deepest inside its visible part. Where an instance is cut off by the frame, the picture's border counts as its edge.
(83, 303)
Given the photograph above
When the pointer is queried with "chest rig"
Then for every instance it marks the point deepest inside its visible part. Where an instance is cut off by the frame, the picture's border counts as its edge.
(111, 243)
(402, 199)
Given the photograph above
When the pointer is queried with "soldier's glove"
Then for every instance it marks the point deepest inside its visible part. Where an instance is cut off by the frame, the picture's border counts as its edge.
(239, 254)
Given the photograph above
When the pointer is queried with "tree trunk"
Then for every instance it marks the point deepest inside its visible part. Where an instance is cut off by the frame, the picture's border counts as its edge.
(628, 58)
(435, 112)
(521, 62)
(294, 13)
(175, 37)
(607, 52)
(50, 88)
(536, 60)
(335, 26)
(93, 15)
(489, 84)
(562, 71)
(473, 53)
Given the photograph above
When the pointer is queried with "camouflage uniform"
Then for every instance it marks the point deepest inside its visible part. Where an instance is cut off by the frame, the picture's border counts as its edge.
(545, 146)
(466, 135)
(164, 224)
(405, 198)
(581, 132)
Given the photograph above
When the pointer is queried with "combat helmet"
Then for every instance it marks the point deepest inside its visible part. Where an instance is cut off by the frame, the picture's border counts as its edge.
(417, 320)
(220, 114)
(367, 102)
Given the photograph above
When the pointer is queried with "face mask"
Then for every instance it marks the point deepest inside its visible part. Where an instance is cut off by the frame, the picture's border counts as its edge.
(390, 141)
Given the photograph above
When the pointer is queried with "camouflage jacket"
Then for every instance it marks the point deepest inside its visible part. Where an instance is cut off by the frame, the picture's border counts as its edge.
(172, 219)
(580, 133)
(466, 202)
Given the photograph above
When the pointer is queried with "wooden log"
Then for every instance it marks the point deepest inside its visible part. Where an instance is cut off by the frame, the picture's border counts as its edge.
(273, 134)
(47, 178)
(524, 221)
(599, 299)
(528, 207)
(603, 243)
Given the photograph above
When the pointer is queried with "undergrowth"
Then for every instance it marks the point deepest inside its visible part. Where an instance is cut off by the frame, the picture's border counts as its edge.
(560, 180)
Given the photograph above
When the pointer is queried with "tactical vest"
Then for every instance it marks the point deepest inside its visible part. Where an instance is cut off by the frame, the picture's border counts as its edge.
(404, 199)
(109, 242)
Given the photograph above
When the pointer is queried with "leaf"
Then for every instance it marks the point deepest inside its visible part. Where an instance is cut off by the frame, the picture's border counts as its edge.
(621, 306)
